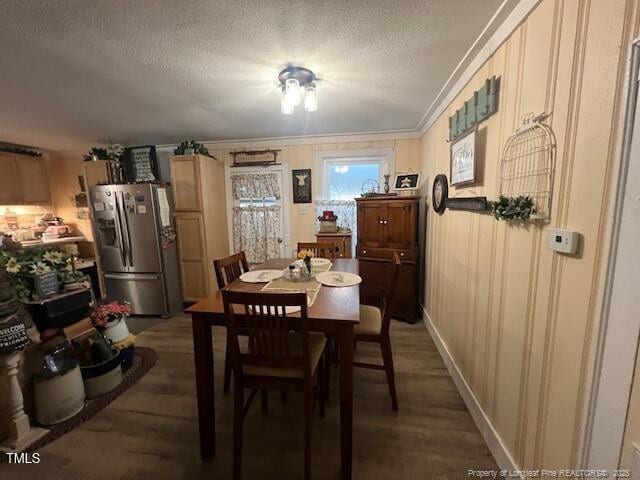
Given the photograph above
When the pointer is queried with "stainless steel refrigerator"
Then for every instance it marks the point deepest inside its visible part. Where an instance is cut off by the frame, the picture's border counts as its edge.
(135, 234)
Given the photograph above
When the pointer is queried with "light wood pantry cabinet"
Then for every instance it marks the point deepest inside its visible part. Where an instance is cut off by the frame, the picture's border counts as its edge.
(201, 221)
(24, 180)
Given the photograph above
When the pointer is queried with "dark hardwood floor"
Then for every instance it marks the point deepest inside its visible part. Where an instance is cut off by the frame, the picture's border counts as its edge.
(151, 430)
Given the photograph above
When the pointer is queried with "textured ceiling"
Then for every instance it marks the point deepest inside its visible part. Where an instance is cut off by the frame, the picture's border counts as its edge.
(76, 73)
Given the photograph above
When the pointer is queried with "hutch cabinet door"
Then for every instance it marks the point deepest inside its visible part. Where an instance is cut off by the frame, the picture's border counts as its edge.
(371, 231)
(399, 225)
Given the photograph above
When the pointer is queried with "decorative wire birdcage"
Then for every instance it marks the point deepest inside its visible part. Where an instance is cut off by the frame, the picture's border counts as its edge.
(528, 163)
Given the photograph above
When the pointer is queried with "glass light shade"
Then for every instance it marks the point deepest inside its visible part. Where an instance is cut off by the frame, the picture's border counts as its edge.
(286, 106)
(311, 98)
(292, 87)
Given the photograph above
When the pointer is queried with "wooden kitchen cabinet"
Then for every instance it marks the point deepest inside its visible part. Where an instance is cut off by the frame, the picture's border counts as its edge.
(387, 225)
(32, 175)
(9, 186)
(201, 221)
(24, 180)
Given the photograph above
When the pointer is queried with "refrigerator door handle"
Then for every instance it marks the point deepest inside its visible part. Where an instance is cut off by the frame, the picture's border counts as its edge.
(126, 231)
(119, 232)
(132, 276)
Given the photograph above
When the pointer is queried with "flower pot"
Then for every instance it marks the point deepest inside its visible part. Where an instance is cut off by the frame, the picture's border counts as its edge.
(188, 151)
(102, 378)
(126, 355)
(59, 397)
(116, 331)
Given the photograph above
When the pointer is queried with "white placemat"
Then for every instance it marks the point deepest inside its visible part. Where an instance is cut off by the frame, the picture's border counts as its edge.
(338, 279)
(260, 276)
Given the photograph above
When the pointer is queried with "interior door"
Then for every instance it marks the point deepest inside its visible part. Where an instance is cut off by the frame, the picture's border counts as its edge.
(371, 230)
(108, 228)
(397, 222)
(141, 231)
(279, 235)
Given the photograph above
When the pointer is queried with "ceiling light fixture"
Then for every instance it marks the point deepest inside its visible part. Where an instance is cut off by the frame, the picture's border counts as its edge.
(296, 82)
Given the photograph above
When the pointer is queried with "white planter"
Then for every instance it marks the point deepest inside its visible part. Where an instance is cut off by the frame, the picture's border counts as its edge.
(116, 331)
(104, 383)
(58, 398)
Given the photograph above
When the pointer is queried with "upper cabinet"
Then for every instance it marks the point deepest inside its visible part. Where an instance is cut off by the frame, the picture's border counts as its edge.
(185, 178)
(24, 180)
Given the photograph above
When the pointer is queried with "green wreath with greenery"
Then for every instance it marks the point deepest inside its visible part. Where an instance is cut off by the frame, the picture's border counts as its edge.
(513, 208)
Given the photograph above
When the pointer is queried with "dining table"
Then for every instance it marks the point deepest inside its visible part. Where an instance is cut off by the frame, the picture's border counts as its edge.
(334, 312)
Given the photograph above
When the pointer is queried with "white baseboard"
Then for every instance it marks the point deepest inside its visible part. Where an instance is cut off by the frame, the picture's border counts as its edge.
(497, 447)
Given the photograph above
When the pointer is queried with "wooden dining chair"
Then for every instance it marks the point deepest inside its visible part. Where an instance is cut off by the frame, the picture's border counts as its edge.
(319, 249)
(374, 327)
(276, 358)
(227, 270)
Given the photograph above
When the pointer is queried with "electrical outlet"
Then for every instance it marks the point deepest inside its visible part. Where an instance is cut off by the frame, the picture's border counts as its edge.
(563, 241)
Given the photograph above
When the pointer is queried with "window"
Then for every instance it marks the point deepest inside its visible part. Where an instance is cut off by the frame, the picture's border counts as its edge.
(344, 177)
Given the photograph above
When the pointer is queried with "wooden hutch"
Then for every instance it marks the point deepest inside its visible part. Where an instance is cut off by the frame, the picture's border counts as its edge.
(388, 224)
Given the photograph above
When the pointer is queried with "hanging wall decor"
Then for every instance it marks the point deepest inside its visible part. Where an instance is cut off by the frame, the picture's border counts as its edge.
(254, 157)
(301, 185)
(526, 172)
(478, 108)
(463, 160)
(440, 193)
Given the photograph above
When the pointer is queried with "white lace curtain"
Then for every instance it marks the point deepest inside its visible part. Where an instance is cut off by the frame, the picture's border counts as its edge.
(345, 210)
(255, 185)
(255, 231)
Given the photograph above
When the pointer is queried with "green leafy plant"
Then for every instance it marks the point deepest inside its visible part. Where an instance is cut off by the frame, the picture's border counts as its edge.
(23, 264)
(513, 208)
(111, 152)
(198, 148)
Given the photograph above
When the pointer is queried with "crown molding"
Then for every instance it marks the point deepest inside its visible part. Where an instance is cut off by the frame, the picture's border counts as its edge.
(306, 140)
(507, 18)
(490, 39)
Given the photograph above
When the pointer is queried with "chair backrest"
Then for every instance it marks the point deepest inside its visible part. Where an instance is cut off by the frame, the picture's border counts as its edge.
(389, 296)
(320, 250)
(229, 268)
(265, 321)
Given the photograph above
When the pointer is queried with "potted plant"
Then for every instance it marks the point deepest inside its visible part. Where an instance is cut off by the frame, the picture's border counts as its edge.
(110, 318)
(37, 272)
(191, 147)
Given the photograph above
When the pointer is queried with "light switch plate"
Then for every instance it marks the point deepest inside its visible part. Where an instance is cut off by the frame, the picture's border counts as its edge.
(563, 241)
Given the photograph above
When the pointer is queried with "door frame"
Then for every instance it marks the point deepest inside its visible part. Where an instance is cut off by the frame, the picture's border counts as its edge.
(619, 327)
(286, 199)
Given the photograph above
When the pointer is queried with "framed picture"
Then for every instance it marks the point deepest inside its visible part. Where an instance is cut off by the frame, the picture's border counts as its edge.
(463, 160)
(141, 164)
(406, 181)
(301, 185)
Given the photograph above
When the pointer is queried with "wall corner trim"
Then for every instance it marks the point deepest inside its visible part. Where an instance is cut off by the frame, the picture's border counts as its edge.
(491, 436)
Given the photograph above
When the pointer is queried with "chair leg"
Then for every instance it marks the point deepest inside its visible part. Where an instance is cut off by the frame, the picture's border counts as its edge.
(387, 357)
(227, 367)
(327, 373)
(308, 420)
(264, 400)
(322, 373)
(238, 419)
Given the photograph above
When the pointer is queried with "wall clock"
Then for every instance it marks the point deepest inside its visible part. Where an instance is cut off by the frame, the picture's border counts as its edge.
(440, 193)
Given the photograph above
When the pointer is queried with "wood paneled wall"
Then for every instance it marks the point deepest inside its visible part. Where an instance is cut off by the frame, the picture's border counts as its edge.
(302, 224)
(518, 319)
